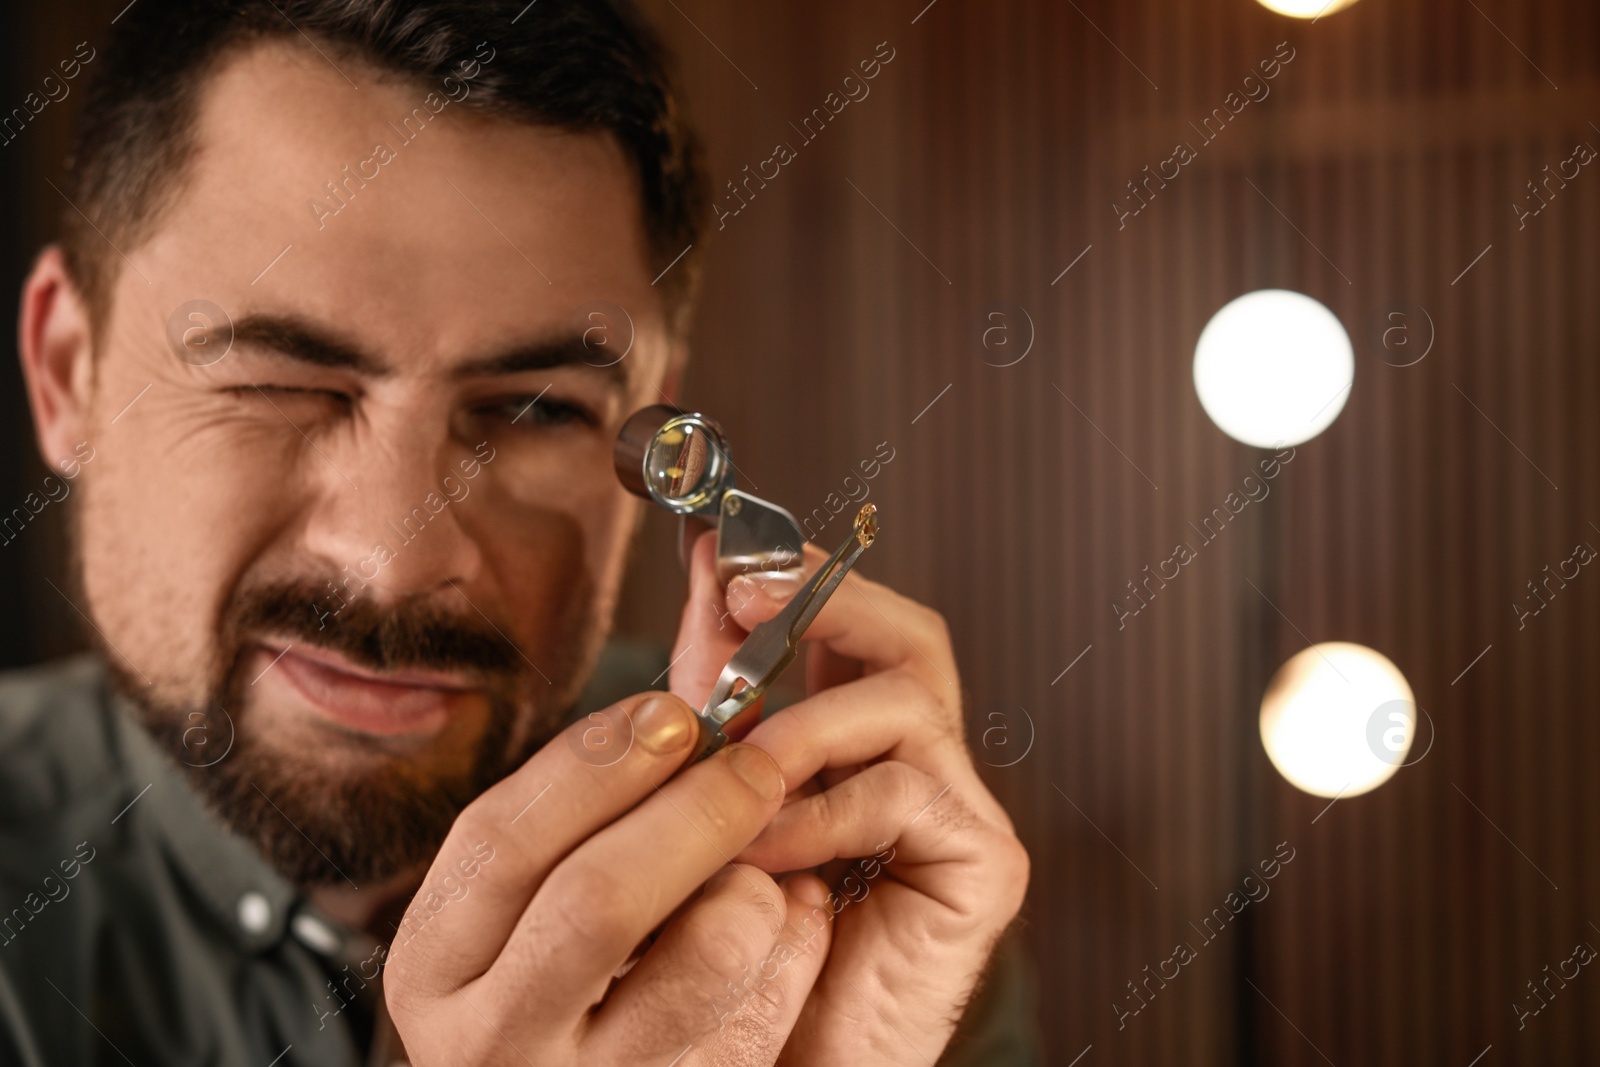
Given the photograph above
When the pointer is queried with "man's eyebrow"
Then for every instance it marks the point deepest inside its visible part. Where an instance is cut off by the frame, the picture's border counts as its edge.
(566, 351)
(306, 342)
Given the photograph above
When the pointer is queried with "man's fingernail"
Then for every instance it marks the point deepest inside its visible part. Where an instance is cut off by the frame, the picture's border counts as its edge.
(663, 725)
(759, 770)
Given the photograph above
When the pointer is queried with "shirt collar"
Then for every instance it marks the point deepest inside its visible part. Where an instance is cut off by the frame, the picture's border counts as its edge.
(246, 896)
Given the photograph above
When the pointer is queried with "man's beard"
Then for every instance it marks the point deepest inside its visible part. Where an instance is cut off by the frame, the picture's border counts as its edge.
(318, 826)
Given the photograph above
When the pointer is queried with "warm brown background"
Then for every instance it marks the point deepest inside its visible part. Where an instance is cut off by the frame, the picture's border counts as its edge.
(996, 141)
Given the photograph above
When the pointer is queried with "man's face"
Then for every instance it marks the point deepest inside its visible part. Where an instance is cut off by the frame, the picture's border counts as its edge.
(357, 548)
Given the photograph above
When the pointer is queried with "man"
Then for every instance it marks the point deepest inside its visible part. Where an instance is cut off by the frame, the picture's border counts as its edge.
(317, 353)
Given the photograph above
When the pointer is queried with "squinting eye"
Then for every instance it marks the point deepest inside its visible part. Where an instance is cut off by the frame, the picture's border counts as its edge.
(277, 394)
(532, 412)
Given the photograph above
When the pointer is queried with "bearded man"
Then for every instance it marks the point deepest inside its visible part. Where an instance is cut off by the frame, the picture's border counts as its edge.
(314, 352)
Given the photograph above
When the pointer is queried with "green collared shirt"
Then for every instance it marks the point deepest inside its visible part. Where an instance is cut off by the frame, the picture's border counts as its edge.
(135, 928)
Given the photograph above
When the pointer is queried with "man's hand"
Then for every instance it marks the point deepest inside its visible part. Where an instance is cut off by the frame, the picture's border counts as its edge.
(550, 881)
(878, 766)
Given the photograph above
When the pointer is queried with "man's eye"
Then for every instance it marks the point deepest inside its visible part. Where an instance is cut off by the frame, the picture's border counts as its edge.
(285, 394)
(537, 411)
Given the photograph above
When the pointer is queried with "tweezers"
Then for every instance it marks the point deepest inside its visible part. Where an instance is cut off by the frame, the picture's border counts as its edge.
(773, 644)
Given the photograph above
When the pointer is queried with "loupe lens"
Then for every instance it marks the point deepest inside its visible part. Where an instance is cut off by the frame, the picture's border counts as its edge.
(681, 464)
(679, 460)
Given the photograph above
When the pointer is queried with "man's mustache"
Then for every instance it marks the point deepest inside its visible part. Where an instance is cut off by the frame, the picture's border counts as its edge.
(409, 633)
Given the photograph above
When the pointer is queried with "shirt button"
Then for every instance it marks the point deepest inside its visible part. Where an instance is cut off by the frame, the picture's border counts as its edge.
(255, 913)
(315, 934)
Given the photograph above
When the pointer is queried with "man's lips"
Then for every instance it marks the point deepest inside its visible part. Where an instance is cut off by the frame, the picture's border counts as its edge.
(402, 702)
(413, 678)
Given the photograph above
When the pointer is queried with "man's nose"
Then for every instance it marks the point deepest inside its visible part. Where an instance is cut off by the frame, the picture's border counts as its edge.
(391, 515)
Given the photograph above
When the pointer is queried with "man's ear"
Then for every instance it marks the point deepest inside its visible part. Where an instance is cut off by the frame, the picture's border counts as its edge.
(57, 349)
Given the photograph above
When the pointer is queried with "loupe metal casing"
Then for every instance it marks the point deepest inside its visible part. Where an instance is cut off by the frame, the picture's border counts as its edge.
(681, 461)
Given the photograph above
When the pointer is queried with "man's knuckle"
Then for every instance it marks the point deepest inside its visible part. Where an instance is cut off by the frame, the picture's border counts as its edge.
(827, 806)
(477, 822)
(759, 895)
(766, 901)
(1016, 868)
(916, 696)
(763, 1011)
(588, 910)
(715, 955)
(723, 803)
(915, 787)
(995, 885)
(400, 990)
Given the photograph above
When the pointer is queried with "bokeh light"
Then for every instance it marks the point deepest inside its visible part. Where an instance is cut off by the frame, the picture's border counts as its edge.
(1338, 719)
(1305, 9)
(1273, 368)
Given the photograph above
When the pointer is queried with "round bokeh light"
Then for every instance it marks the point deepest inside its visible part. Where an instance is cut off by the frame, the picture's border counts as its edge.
(1273, 368)
(1305, 9)
(1338, 719)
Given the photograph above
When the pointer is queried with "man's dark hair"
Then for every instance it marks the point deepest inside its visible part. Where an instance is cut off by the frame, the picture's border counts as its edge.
(578, 65)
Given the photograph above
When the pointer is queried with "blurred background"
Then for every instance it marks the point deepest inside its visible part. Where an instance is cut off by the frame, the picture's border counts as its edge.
(954, 271)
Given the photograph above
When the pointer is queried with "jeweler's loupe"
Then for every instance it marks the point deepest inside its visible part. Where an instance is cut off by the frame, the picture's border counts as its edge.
(681, 461)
